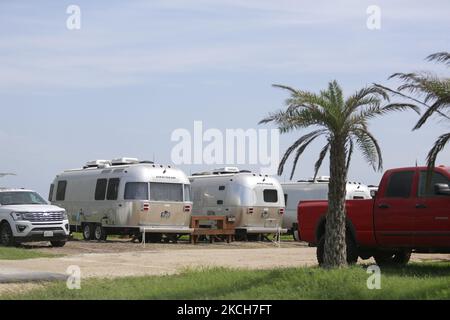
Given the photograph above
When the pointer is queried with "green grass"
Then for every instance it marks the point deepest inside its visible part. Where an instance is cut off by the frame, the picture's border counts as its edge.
(7, 253)
(416, 281)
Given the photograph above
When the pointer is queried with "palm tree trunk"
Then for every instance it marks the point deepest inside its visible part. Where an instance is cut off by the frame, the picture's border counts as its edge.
(335, 242)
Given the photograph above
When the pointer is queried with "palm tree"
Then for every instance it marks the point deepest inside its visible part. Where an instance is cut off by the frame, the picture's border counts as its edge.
(344, 125)
(435, 93)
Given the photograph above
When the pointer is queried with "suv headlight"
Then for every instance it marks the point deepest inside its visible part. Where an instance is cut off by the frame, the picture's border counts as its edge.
(17, 216)
(65, 215)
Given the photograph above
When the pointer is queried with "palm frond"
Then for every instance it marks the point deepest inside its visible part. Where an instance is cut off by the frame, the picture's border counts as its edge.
(440, 57)
(349, 153)
(438, 146)
(296, 145)
(300, 151)
(319, 162)
(369, 148)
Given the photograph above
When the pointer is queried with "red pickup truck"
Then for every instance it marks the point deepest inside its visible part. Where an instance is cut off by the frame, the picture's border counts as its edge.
(408, 214)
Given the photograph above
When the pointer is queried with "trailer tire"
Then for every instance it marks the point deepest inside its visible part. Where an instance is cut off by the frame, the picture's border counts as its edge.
(153, 238)
(399, 258)
(6, 235)
(352, 250)
(99, 233)
(253, 237)
(88, 231)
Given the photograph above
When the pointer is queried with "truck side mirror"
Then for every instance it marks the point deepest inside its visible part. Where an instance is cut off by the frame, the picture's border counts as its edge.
(442, 189)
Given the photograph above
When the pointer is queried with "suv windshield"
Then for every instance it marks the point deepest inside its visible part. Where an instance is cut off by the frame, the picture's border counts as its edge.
(20, 198)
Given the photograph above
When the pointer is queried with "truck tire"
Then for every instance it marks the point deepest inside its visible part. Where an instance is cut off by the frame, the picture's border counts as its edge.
(58, 244)
(88, 232)
(399, 258)
(99, 233)
(6, 235)
(352, 250)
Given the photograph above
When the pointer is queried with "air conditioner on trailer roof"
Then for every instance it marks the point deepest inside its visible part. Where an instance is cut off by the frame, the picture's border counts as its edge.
(121, 161)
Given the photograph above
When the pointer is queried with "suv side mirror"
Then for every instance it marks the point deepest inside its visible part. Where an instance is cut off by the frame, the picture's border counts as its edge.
(442, 189)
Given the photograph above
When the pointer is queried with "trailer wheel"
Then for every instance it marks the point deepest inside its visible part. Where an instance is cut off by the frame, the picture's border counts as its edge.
(253, 237)
(88, 232)
(399, 258)
(352, 250)
(153, 237)
(100, 233)
(6, 235)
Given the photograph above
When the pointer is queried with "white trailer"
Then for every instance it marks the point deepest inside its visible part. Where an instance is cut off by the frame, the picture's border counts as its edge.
(254, 201)
(294, 192)
(125, 196)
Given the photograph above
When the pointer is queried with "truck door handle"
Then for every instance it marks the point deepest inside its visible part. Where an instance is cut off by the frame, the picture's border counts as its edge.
(421, 206)
(384, 206)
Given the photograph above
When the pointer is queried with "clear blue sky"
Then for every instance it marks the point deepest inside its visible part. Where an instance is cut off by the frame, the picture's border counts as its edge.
(137, 70)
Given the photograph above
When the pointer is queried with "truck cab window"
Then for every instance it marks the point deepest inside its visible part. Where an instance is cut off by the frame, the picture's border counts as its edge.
(400, 184)
(136, 191)
(428, 190)
(113, 189)
(270, 196)
(61, 191)
(100, 189)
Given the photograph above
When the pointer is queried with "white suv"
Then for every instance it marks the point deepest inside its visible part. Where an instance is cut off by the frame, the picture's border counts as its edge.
(25, 216)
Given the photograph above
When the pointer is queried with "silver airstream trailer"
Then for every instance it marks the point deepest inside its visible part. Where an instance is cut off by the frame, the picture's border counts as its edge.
(254, 201)
(294, 192)
(125, 196)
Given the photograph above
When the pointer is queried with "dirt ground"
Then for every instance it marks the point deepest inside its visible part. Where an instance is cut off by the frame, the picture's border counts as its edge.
(121, 258)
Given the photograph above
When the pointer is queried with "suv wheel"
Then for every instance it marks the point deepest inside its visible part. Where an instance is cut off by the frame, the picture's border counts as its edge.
(99, 233)
(88, 233)
(6, 235)
(58, 244)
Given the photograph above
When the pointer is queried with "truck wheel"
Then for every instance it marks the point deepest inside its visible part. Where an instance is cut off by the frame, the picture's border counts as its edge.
(88, 232)
(321, 251)
(352, 251)
(6, 235)
(58, 244)
(100, 233)
(399, 258)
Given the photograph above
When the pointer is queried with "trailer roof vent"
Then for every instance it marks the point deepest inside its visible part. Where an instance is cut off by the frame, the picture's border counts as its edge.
(124, 161)
(318, 179)
(226, 170)
(97, 164)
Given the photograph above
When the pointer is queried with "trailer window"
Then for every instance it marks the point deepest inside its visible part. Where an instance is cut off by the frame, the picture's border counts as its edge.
(100, 189)
(270, 196)
(50, 194)
(428, 190)
(61, 191)
(400, 184)
(187, 193)
(166, 192)
(136, 191)
(113, 189)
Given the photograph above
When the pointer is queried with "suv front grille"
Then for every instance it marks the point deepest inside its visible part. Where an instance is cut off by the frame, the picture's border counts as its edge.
(43, 216)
